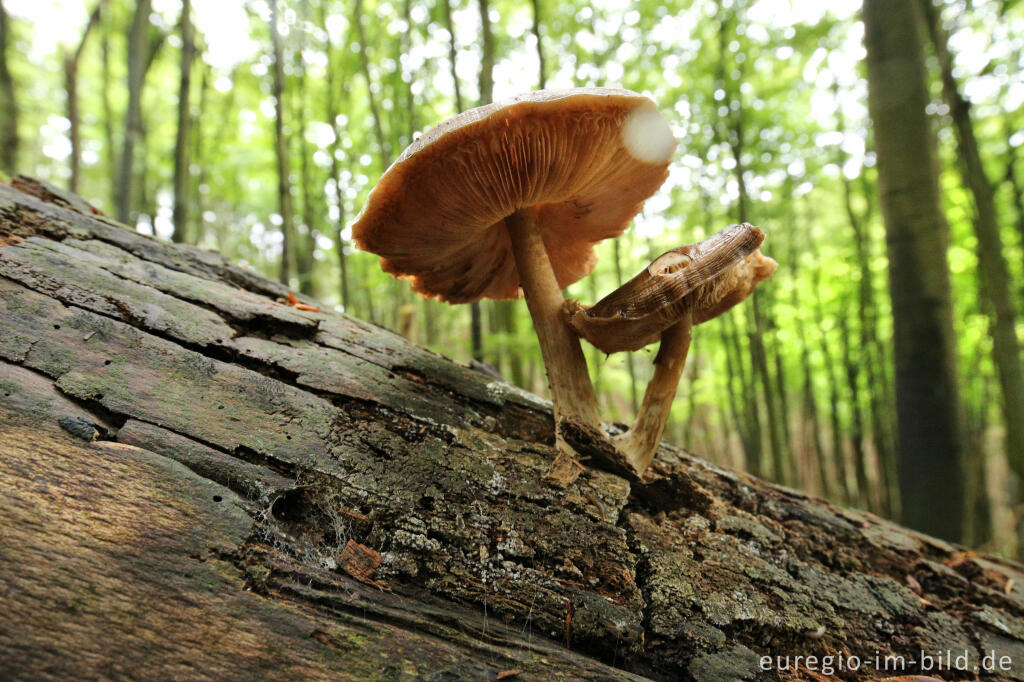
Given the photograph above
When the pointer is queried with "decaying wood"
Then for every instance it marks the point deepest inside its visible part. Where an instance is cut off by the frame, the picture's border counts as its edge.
(201, 482)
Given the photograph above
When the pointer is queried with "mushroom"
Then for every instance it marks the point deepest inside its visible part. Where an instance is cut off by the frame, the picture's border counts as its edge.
(681, 288)
(515, 194)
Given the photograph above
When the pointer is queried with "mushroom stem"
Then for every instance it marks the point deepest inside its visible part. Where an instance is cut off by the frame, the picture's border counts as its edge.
(571, 389)
(640, 443)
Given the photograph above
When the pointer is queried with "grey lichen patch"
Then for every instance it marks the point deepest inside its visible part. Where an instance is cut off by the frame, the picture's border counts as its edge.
(1003, 654)
(734, 663)
(1001, 622)
(898, 601)
(940, 633)
(746, 525)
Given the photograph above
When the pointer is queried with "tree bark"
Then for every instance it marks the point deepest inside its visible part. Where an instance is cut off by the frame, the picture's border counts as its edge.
(243, 490)
(8, 103)
(182, 162)
(927, 391)
(137, 57)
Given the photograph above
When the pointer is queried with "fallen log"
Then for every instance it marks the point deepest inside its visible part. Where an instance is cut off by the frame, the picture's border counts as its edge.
(201, 481)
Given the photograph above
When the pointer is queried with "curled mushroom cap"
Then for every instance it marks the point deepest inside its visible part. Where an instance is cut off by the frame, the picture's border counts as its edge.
(702, 278)
(681, 288)
(582, 160)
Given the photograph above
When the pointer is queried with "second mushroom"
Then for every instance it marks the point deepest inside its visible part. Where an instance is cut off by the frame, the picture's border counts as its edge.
(682, 288)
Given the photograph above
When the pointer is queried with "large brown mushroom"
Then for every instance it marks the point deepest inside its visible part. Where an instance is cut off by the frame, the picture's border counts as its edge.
(515, 194)
(681, 288)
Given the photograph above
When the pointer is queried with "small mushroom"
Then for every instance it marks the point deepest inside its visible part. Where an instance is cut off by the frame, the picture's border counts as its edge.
(515, 194)
(635, 314)
(681, 288)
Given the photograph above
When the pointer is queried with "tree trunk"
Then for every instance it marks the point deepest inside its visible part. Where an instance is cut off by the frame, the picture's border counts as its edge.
(284, 190)
(486, 54)
(138, 45)
(305, 242)
(182, 161)
(871, 355)
(109, 144)
(280, 493)
(927, 393)
(453, 52)
(486, 87)
(541, 71)
(384, 151)
(995, 276)
(336, 150)
(8, 103)
(71, 62)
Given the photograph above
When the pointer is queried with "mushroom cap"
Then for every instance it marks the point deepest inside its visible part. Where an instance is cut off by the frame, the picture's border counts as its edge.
(705, 278)
(732, 287)
(586, 159)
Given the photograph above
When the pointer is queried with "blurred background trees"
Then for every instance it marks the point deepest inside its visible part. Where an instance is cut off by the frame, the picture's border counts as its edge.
(257, 128)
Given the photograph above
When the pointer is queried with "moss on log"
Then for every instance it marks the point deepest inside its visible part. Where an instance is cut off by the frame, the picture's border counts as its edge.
(200, 481)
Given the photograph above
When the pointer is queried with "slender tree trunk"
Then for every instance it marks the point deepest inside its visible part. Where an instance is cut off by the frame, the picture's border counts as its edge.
(181, 140)
(383, 148)
(871, 356)
(541, 71)
(1016, 187)
(109, 144)
(995, 277)
(486, 87)
(197, 140)
(851, 365)
(8, 102)
(748, 412)
(336, 151)
(71, 62)
(759, 362)
(284, 197)
(927, 392)
(305, 243)
(810, 408)
(978, 516)
(839, 461)
(137, 57)
(446, 6)
(487, 54)
(756, 328)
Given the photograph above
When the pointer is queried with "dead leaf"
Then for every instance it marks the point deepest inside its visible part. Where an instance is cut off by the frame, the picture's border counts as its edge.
(505, 674)
(361, 562)
(914, 585)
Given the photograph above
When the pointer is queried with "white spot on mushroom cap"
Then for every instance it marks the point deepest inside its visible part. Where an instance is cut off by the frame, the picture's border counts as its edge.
(648, 137)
